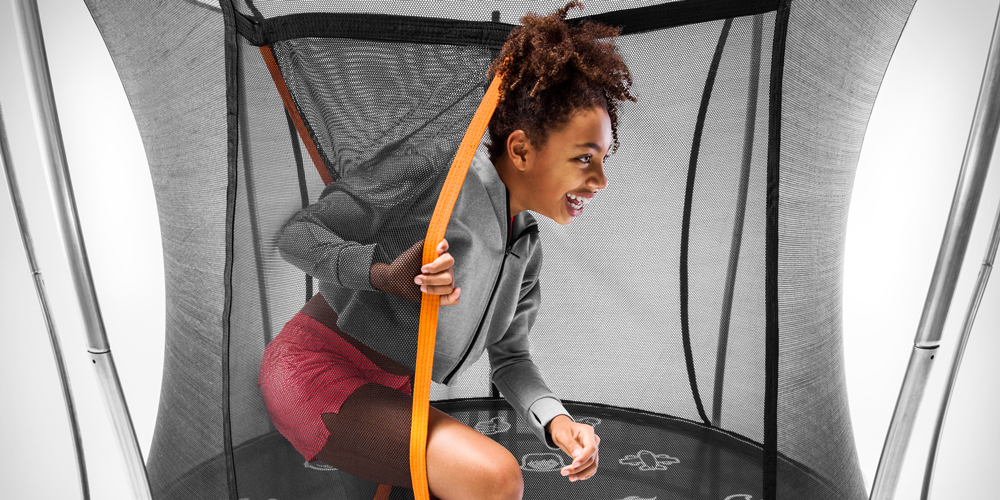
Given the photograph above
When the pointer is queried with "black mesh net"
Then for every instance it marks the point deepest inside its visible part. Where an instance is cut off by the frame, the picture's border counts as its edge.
(710, 367)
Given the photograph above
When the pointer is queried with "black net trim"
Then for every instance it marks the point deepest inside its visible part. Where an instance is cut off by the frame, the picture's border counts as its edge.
(375, 27)
(232, 149)
(771, 349)
(411, 29)
(673, 14)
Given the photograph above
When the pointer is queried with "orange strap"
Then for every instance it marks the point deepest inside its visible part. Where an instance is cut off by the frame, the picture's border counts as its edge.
(429, 304)
(300, 125)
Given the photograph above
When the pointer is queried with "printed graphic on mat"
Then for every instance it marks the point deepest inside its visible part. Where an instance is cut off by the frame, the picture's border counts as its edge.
(646, 460)
(317, 465)
(542, 462)
(739, 496)
(495, 425)
(634, 497)
(593, 421)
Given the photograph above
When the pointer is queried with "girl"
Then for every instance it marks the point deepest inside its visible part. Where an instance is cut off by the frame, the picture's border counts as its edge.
(337, 380)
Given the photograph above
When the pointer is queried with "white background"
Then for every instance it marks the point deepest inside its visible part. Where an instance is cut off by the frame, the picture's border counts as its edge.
(903, 190)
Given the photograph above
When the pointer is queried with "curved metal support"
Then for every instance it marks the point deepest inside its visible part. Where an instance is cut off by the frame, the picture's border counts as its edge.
(736, 240)
(43, 106)
(43, 302)
(251, 193)
(975, 165)
(963, 339)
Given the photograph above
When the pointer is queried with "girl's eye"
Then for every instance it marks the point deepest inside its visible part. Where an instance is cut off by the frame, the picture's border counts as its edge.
(585, 159)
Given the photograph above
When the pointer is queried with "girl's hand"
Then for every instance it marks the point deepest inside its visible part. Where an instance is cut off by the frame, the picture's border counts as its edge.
(578, 441)
(405, 278)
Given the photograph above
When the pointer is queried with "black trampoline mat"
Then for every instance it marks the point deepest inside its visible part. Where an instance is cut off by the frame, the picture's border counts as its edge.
(643, 456)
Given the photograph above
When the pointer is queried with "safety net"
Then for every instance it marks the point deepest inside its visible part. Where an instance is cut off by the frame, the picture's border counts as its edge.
(691, 315)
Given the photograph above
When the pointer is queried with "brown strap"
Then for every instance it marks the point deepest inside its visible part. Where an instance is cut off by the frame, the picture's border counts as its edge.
(382, 493)
(300, 125)
(429, 304)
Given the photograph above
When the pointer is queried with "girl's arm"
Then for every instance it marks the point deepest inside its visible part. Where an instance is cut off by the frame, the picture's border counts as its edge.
(311, 241)
(521, 382)
(314, 239)
(517, 376)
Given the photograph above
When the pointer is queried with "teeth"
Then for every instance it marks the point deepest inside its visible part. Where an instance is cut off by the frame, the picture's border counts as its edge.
(577, 201)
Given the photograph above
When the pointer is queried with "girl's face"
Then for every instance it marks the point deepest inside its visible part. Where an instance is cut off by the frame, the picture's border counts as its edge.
(561, 177)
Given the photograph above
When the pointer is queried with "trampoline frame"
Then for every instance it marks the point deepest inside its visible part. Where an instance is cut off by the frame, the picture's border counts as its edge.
(53, 155)
(975, 165)
(958, 230)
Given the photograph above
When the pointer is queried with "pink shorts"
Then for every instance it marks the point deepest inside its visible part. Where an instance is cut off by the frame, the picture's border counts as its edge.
(308, 370)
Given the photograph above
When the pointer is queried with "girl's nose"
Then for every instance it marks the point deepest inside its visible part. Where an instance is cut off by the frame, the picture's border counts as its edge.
(597, 179)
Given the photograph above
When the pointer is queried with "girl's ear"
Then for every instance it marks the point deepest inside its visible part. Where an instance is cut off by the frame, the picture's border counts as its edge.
(517, 149)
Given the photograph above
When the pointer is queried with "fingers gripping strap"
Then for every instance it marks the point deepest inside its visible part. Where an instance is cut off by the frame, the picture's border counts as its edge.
(429, 304)
(300, 126)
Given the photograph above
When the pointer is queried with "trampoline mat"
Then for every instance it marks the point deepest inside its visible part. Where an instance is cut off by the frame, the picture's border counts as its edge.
(643, 456)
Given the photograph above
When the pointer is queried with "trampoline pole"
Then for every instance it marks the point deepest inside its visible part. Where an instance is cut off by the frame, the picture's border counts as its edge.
(43, 107)
(963, 339)
(43, 302)
(971, 178)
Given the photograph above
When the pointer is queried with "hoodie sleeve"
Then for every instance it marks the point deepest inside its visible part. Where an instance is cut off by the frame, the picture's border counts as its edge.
(313, 240)
(514, 373)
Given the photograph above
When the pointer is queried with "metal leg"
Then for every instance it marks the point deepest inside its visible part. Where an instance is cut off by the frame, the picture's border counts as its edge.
(975, 165)
(963, 339)
(43, 302)
(43, 107)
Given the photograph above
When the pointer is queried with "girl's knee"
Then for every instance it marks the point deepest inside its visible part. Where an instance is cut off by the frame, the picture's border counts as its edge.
(507, 482)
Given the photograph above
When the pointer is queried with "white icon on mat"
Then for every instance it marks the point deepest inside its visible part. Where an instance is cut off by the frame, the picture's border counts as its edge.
(647, 460)
(542, 462)
(593, 421)
(739, 496)
(493, 426)
(633, 497)
(317, 465)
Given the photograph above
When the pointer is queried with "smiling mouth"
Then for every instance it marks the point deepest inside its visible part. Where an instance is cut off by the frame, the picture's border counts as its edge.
(577, 202)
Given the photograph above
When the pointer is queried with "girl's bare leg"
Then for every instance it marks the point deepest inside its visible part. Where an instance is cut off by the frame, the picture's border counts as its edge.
(370, 438)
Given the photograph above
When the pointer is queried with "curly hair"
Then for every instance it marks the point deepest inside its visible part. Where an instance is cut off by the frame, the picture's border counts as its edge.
(552, 69)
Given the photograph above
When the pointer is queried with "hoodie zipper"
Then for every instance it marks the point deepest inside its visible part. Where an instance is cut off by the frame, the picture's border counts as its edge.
(508, 245)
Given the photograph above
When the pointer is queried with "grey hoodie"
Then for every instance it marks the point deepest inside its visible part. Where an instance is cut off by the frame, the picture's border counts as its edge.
(337, 239)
